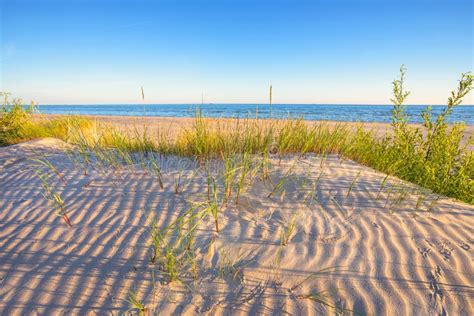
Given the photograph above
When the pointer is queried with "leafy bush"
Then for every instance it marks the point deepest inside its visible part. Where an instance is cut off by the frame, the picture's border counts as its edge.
(14, 118)
(433, 156)
(17, 124)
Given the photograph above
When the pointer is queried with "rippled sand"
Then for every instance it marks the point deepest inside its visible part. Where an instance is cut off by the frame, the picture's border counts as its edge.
(383, 255)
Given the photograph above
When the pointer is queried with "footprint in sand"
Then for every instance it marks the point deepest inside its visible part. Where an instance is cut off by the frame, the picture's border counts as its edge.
(330, 239)
(445, 249)
(465, 246)
(425, 251)
(436, 292)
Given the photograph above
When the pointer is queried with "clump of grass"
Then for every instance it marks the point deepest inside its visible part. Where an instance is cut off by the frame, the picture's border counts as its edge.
(173, 245)
(135, 303)
(325, 297)
(232, 265)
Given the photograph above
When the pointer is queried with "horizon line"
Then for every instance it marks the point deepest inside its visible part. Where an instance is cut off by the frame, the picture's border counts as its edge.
(242, 103)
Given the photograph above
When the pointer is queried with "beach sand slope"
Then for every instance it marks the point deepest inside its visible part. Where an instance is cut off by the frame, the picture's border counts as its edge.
(379, 251)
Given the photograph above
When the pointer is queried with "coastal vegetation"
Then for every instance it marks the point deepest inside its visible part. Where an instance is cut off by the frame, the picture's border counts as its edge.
(435, 155)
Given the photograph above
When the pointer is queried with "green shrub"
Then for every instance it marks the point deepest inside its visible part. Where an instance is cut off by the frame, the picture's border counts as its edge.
(433, 156)
(17, 124)
(14, 119)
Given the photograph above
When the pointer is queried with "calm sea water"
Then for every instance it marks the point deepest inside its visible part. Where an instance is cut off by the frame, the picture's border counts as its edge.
(351, 113)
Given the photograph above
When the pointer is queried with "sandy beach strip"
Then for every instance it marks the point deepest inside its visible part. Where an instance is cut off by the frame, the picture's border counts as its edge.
(173, 125)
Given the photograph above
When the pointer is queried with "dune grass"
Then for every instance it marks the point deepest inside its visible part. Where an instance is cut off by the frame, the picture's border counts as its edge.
(287, 231)
(433, 156)
(135, 303)
(51, 195)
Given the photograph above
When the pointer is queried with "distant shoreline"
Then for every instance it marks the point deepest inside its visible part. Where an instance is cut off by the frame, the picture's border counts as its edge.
(320, 112)
(247, 104)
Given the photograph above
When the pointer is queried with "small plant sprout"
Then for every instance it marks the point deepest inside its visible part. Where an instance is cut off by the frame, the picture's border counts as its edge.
(265, 165)
(324, 158)
(193, 264)
(61, 209)
(230, 171)
(433, 204)
(157, 238)
(54, 198)
(232, 266)
(352, 184)
(314, 275)
(135, 303)
(382, 186)
(171, 264)
(49, 166)
(419, 202)
(281, 182)
(246, 168)
(402, 196)
(210, 180)
(321, 297)
(213, 205)
(311, 196)
(188, 246)
(324, 298)
(287, 231)
(277, 187)
(155, 168)
(278, 255)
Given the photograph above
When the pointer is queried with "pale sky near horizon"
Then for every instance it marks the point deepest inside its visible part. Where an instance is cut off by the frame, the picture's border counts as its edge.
(84, 51)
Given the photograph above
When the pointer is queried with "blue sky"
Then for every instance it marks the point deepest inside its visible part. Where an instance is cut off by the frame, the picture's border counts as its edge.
(230, 51)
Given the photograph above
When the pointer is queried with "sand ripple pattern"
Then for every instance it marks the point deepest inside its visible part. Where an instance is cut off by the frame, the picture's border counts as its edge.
(383, 255)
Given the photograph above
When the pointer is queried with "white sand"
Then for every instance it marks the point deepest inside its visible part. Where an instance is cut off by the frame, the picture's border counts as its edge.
(387, 259)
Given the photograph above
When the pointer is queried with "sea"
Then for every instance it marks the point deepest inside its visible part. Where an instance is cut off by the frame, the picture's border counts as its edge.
(332, 112)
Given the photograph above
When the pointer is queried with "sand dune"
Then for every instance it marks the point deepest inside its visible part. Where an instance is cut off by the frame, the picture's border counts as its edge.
(376, 252)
